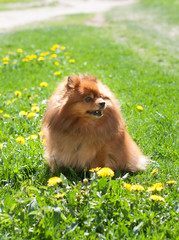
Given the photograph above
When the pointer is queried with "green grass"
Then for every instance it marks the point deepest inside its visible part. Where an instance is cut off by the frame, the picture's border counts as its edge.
(137, 57)
(168, 10)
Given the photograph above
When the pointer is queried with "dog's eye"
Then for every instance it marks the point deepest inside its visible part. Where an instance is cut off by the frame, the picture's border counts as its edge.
(88, 99)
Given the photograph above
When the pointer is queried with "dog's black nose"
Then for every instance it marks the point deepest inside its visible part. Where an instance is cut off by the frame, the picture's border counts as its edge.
(102, 104)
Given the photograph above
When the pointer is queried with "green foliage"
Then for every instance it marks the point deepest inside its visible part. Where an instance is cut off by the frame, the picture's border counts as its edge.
(168, 9)
(99, 209)
(140, 66)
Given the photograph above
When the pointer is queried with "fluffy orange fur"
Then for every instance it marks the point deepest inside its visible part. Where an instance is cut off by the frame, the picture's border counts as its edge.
(83, 127)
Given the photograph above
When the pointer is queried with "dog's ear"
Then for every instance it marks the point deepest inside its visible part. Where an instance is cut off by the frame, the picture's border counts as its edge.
(72, 81)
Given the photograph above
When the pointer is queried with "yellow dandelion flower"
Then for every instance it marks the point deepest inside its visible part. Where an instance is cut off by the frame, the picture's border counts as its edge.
(14, 62)
(25, 60)
(137, 187)
(43, 54)
(151, 189)
(25, 89)
(8, 102)
(41, 133)
(171, 182)
(20, 140)
(40, 59)
(14, 99)
(7, 116)
(10, 53)
(1, 111)
(5, 63)
(140, 108)
(43, 84)
(35, 109)
(95, 169)
(31, 57)
(157, 198)
(158, 186)
(19, 50)
(23, 113)
(33, 137)
(59, 195)
(154, 171)
(5, 59)
(105, 172)
(128, 186)
(54, 47)
(17, 93)
(31, 115)
(54, 180)
(56, 63)
(1, 146)
(44, 141)
(57, 73)
(31, 195)
(53, 56)
(71, 60)
(63, 48)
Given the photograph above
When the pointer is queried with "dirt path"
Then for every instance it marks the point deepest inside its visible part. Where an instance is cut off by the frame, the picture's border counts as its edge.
(14, 18)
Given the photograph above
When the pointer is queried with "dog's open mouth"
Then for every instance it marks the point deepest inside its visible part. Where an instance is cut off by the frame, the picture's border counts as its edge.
(97, 113)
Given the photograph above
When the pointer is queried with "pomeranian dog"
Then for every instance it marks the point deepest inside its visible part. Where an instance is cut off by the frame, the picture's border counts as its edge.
(83, 127)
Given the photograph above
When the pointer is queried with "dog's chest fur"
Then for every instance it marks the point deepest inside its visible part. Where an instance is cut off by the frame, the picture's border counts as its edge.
(74, 151)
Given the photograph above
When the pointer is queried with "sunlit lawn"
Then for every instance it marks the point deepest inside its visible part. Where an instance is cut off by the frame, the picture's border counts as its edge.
(140, 66)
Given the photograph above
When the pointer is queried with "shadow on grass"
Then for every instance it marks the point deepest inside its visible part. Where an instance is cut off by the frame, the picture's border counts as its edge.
(75, 176)
(41, 174)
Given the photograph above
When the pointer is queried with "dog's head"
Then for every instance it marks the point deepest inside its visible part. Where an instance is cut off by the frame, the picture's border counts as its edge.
(84, 97)
(83, 105)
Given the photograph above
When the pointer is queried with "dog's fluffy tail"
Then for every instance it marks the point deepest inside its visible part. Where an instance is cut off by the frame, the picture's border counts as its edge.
(138, 164)
(142, 163)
